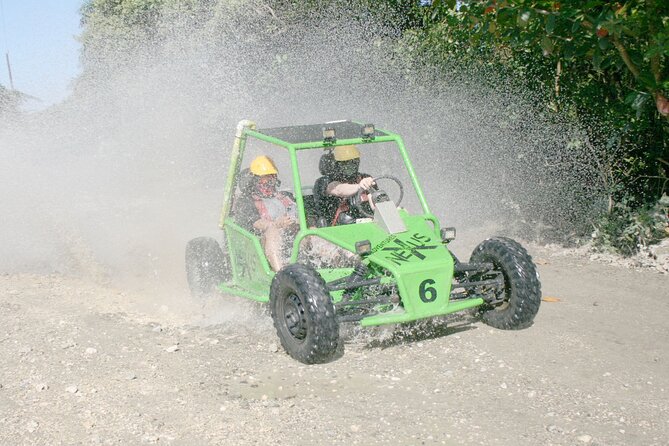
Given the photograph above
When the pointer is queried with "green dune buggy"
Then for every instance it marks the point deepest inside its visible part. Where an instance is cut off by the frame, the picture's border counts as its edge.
(393, 266)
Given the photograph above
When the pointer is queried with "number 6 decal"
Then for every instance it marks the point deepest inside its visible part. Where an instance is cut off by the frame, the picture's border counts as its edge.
(426, 292)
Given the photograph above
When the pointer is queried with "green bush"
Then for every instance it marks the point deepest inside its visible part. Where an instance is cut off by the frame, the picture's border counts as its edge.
(626, 229)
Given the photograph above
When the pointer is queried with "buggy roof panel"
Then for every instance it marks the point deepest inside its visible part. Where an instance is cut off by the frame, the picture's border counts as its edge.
(314, 132)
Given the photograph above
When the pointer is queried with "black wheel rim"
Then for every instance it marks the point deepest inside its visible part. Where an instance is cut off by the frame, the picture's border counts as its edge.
(294, 317)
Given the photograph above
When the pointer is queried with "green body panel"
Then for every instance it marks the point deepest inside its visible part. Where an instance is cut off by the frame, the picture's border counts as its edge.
(397, 318)
(419, 263)
(251, 273)
(417, 259)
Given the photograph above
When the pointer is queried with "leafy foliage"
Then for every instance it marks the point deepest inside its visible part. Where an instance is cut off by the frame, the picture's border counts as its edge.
(603, 64)
(614, 38)
(626, 228)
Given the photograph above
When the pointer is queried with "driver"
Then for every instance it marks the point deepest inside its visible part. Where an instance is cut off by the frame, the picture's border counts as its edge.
(276, 210)
(347, 181)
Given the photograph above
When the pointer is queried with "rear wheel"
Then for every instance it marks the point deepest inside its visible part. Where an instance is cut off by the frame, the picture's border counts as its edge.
(518, 301)
(303, 314)
(206, 265)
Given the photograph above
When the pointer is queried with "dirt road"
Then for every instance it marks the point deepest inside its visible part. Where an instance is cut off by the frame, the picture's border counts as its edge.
(90, 364)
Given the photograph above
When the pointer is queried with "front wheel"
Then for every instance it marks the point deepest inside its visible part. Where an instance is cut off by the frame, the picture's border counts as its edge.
(303, 314)
(518, 301)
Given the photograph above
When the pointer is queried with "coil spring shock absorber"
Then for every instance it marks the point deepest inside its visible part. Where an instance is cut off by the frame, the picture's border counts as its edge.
(358, 274)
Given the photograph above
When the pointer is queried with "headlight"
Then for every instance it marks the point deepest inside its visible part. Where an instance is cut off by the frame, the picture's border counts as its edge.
(368, 131)
(329, 134)
(363, 247)
(447, 234)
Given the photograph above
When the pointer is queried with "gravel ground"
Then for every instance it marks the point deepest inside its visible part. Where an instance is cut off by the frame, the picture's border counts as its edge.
(85, 363)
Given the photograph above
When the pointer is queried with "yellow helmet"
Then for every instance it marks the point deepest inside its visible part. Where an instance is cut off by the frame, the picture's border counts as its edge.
(263, 165)
(345, 153)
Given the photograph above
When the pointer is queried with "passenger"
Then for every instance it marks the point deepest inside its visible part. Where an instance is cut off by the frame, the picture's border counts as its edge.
(277, 213)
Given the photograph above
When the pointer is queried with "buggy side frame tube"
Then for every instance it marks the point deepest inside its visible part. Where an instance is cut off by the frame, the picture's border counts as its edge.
(236, 156)
(297, 186)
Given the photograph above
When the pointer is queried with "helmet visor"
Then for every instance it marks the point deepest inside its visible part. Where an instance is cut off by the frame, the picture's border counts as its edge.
(349, 168)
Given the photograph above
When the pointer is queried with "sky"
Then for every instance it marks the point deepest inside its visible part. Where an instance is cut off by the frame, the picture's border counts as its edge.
(41, 39)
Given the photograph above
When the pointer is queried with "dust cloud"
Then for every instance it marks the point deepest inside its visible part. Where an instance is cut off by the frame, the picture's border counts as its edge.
(111, 183)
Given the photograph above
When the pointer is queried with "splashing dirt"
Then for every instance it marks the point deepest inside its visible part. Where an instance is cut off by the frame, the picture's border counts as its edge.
(111, 183)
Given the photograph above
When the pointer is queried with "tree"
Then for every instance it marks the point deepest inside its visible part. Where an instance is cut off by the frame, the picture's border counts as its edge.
(607, 62)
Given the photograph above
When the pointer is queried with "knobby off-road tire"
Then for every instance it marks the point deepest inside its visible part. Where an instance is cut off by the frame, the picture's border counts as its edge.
(522, 289)
(303, 314)
(206, 266)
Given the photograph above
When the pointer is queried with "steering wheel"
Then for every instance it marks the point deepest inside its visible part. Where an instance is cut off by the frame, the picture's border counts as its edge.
(357, 202)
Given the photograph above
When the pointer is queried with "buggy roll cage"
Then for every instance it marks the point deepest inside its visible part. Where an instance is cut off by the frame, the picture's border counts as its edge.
(305, 137)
